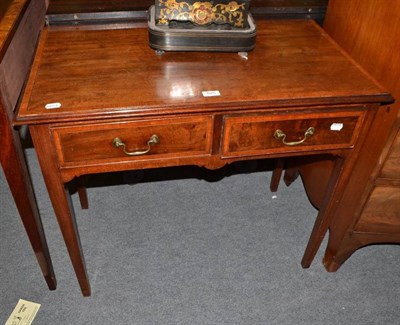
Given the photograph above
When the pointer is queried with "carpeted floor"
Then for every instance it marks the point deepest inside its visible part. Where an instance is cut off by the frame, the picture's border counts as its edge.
(194, 249)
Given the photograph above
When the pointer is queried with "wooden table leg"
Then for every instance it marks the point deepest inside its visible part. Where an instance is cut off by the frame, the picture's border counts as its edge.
(343, 239)
(340, 206)
(82, 192)
(14, 165)
(61, 201)
(291, 174)
(324, 217)
(276, 174)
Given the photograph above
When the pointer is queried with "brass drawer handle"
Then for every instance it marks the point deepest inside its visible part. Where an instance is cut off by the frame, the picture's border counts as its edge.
(280, 135)
(117, 142)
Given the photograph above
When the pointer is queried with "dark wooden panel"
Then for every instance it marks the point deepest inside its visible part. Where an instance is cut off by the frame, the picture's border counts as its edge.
(289, 3)
(289, 9)
(11, 17)
(17, 60)
(79, 6)
(4, 4)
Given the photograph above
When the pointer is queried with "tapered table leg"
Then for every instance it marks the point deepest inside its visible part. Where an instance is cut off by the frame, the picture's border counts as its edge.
(15, 170)
(61, 200)
(82, 193)
(276, 174)
(324, 217)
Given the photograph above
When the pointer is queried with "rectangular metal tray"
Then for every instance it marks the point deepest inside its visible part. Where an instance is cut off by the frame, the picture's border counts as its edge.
(197, 38)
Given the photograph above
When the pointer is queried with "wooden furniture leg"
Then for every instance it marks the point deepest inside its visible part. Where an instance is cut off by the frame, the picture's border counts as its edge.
(345, 239)
(335, 190)
(291, 174)
(276, 174)
(61, 201)
(323, 220)
(82, 193)
(16, 172)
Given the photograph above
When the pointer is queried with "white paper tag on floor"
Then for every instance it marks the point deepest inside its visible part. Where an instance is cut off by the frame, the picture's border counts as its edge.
(24, 313)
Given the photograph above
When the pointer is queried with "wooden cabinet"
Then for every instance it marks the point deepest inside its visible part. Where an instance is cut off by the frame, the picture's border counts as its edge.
(370, 31)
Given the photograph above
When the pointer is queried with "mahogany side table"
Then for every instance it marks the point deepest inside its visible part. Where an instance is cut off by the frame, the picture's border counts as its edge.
(109, 103)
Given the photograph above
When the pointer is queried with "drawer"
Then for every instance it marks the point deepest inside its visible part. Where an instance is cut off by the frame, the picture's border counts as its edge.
(270, 134)
(381, 213)
(96, 143)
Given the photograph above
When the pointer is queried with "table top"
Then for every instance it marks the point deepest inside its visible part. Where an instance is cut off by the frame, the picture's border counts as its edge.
(113, 72)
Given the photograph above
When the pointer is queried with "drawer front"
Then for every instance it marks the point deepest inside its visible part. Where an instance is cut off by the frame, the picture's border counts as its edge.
(381, 214)
(269, 134)
(95, 143)
(391, 168)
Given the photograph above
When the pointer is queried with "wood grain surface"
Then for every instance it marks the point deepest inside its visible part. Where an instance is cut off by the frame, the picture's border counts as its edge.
(3, 7)
(19, 30)
(369, 31)
(12, 13)
(116, 71)
(20, 50)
